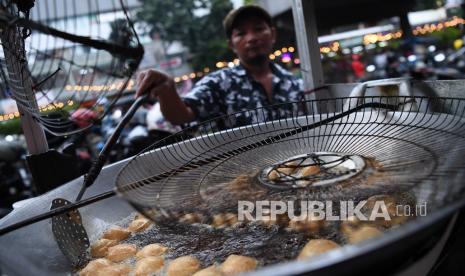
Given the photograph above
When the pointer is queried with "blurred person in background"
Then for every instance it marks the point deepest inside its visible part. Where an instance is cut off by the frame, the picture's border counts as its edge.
(381, 62)
(358, 67)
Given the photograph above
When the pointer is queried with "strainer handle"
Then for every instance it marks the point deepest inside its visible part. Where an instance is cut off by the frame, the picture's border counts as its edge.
(97, 166)
(360, 90)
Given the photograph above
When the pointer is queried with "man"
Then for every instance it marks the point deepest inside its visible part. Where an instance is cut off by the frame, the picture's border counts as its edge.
(254, 83)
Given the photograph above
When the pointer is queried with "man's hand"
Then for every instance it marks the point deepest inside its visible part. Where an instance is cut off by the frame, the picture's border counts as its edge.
(161, 86)
(154, 82)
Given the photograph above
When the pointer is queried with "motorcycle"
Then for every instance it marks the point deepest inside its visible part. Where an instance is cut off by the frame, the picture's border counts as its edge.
(15, 183)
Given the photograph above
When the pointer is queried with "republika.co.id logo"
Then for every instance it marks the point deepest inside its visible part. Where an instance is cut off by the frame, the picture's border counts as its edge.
(324, 210)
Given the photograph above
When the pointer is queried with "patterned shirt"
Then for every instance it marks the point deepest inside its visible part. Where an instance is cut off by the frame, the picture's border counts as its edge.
(231, 90)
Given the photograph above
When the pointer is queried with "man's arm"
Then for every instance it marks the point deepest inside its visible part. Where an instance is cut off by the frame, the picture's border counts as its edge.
(162, 87)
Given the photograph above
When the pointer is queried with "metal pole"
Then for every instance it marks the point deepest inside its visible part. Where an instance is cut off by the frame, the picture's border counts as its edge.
(307, 43)
(21, 84)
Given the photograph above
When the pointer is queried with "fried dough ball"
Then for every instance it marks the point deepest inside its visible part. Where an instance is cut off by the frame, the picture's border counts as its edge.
(218, 220)
(230, 218)
(309, 224)
(94, 266)
(121, 252)
(191, 218)
(239, 184)
(115, 270)
(183, 266)
(139, 225)
(151, 250)
(148, 265)
(292, 164)
(310, 170)
(236, 264)
(273, 175)
(221, 220)
(286, 169)
(316, 247)
(391, 206)
(240, 188)
(389, 201)
(139, 216)
(362, 234)
(116, 233)
(100, 247)
(209, 271)
(350, 225)
(283, 219)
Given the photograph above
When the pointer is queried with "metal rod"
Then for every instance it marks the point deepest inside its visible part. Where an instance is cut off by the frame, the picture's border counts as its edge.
(57, 211)
(307, 43)
(129, 52)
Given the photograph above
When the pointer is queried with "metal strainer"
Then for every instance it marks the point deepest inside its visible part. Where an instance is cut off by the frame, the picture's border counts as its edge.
(70, 234)
(394, 144)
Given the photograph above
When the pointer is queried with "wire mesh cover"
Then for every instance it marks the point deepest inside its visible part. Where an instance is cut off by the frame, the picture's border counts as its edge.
(71, 54)
(417, 149)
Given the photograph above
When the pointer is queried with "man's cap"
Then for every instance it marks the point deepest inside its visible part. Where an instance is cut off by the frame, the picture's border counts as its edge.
(244, 12)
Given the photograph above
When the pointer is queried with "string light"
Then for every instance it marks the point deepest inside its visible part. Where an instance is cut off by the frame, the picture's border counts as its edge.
(43, 108)
(419, 30)
(335, 46)
(325, 50)
(429, 28)
(286, 59)
(98, 88)
(331, 48)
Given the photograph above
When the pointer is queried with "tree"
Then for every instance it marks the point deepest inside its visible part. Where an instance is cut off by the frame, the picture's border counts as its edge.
(428, 4)
(176, 20)
(121, 33)
(250, 2)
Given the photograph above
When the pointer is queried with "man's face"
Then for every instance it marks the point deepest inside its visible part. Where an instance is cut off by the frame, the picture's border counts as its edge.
(252, 39)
